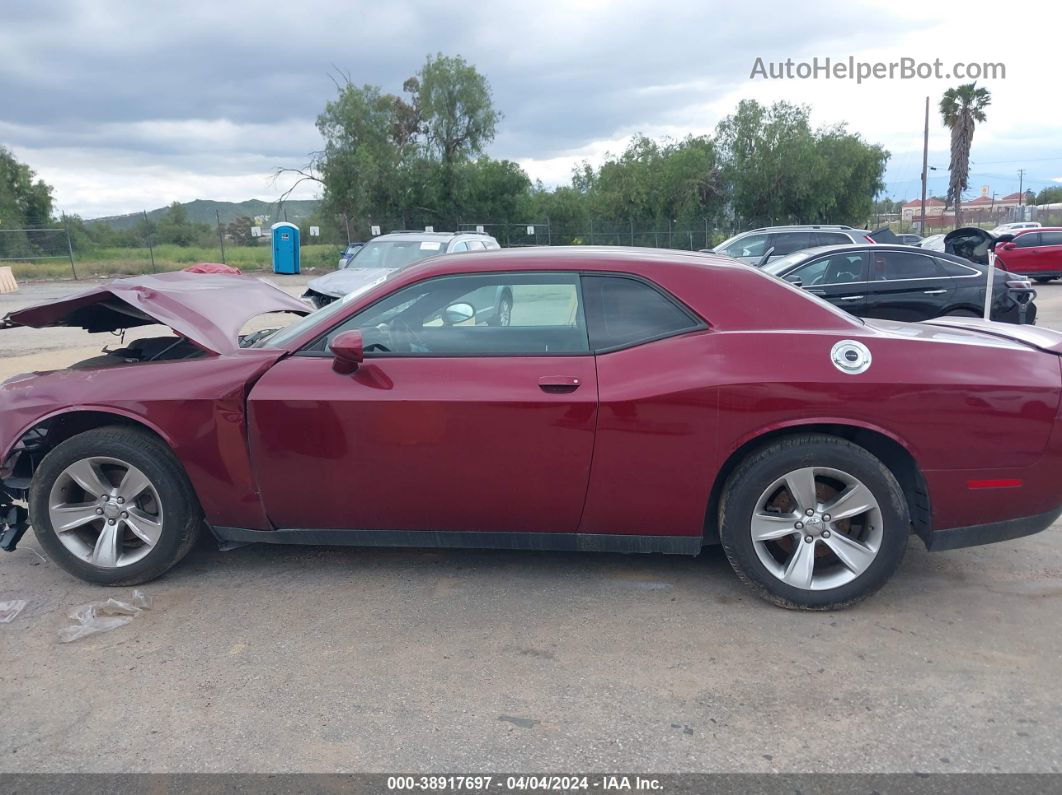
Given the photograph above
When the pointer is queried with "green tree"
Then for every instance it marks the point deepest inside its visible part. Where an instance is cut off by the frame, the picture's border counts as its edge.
(961, 109)
(456, 109)
(24, 202)
(1049, 195)
(175, 227)
(239, 231)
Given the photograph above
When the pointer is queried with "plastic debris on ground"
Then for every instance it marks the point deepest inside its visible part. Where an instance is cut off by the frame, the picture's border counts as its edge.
(104, 616)
(8, 610)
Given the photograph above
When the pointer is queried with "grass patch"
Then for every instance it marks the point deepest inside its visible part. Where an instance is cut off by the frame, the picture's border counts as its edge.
(133, 261)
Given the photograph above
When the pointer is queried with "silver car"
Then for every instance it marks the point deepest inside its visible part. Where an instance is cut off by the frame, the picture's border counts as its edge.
(386, 254)
(760, 246)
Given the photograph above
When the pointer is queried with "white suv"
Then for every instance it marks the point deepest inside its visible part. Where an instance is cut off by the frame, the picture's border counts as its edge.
(760, 246)
(384, 255)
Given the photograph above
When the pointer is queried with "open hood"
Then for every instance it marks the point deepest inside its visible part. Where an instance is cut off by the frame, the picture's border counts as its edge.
(969, 242)
(208, 309)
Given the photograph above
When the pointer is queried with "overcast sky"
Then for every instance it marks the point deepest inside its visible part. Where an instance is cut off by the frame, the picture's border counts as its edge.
(130, 105)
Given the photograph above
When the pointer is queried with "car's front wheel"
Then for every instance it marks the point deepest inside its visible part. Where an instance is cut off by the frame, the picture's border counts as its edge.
(113, 506)
(813, 522)
(1044, 279)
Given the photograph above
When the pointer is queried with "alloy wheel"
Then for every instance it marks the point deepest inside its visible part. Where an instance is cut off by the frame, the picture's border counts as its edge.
(817, 528)
(105, 511)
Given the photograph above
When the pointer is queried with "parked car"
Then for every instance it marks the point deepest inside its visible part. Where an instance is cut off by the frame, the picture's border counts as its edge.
(933, 242)
(909, 239)
(1011, 228)
(640, 401)
(760, 246)
(1033, 252)
(896, 282)
(385, 254)
(348, 254)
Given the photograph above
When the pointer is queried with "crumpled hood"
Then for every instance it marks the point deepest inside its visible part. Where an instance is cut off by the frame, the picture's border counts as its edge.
(349, 280)
(208, 309)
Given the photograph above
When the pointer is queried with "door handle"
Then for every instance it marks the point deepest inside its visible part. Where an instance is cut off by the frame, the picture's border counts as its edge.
(934, 292)
(850, 297)
(558, 383)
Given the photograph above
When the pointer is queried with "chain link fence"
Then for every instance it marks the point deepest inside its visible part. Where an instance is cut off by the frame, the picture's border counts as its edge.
(36, 245)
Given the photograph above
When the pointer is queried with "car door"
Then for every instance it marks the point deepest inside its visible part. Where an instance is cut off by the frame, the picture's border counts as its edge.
(1021, 255)
(840, 278)
(906, 285)
(1050, 251)
(447, 425)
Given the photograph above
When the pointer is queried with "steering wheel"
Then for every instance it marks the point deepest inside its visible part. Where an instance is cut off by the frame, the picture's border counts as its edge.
(403, 336)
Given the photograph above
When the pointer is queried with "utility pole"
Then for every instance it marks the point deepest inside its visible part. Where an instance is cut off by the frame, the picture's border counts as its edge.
(1021, 186)
(221, 236)
(151, 247)
(925, 170)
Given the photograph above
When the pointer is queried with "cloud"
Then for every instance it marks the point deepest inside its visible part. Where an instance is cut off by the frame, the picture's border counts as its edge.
(118, 103)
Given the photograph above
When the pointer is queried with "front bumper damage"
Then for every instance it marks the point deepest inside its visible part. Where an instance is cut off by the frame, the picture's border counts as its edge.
(14, 518)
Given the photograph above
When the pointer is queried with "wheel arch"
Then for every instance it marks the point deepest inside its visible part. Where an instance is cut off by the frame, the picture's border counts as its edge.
(35, 441)
(891, 451)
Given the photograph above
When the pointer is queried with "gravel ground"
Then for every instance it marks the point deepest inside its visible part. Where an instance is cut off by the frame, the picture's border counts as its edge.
(312, 659)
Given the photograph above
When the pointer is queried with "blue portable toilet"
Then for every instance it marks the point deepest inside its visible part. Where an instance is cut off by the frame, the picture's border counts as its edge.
(285, 247)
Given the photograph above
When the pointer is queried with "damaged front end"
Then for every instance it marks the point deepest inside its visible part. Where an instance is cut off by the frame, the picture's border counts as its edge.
(15, 476)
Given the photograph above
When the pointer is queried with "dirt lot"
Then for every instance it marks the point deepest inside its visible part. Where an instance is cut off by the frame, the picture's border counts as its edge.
(284, 659)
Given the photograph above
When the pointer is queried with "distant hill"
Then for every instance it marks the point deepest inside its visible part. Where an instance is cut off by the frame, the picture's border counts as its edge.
(204, 211)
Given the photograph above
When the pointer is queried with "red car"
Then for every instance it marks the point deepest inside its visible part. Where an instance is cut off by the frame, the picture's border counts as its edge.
(638, 401)
(1033, 252)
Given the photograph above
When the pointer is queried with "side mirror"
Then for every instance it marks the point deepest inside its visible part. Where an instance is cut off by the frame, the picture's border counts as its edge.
(796, 281)
(458, 313)
(348, 349)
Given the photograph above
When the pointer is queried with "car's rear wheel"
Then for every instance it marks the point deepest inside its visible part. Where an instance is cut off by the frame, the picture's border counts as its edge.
(813, 522)
(113, 506)
(1044, 279)
(503, 315)
(962, 313)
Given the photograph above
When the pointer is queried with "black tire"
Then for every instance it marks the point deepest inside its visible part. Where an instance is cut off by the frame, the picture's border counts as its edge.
(182, 518)
(768, 463)
(1044, 279)
(962, 313)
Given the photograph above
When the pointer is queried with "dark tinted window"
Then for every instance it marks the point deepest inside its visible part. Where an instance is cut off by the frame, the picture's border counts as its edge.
(955, 269)
(622, 312)
(890, 265)
(1051, 238)
(830, 239)
(1028, 240)
(835, 269)
(788, 242)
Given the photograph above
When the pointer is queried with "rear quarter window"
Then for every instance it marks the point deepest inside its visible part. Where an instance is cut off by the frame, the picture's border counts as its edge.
(622, 312)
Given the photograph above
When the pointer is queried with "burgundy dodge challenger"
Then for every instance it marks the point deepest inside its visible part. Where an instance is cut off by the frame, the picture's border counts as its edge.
(638, 401)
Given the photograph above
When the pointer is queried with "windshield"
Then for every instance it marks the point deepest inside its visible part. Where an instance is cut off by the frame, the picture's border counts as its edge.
(279, 338)
(394, 254)
(784, 263)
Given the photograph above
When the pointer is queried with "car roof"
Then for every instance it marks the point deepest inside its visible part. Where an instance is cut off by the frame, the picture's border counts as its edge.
(802, 227)
(415, 235)
(1037, 229)
(872, 247)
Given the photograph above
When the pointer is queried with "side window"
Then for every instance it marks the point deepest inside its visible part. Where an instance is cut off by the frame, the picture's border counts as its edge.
(892, 265)
(748, 246)
(1050, 238)
(496, 314)
(1028, 240)
(475, 245)
(955, 269)
(830, 239)
(623, 312)
(836, 269)
(459, 247)
(788, 242)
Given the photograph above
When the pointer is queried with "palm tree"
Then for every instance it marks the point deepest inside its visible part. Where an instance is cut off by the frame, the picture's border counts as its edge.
(961, 108)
